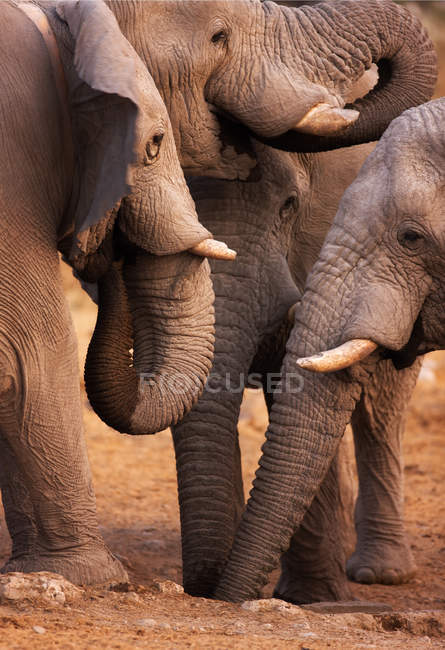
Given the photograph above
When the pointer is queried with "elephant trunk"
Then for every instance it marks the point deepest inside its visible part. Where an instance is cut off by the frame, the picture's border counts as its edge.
(302, 439)
(162, 308)
(345, 38)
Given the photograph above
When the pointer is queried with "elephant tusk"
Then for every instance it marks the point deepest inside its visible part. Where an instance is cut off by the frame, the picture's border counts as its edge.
(213, 248)
(323, 119)
(339, 358)
(291, 313)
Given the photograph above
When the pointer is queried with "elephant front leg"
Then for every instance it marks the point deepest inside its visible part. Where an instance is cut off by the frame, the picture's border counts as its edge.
(312, 569)
(382, 552)
(210, 486)
(19, 513)
(55, 527)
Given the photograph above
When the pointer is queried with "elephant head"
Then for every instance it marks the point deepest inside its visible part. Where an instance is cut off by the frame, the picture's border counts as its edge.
(392, 217)
(279, 71)
(130, 202)
(378, 283)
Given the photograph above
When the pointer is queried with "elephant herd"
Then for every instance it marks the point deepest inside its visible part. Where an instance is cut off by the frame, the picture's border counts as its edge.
(147, 141)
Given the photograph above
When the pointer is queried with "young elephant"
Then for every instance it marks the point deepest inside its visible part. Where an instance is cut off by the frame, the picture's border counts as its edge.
(377, 288)
(88, 160)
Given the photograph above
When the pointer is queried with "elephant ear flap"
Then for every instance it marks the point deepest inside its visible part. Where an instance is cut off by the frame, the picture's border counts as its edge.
(106, 89)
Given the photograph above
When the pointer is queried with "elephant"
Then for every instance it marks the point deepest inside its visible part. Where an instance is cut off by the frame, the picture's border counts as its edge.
(283, 73)
(277, 220)
(373, 299)
(89, 168)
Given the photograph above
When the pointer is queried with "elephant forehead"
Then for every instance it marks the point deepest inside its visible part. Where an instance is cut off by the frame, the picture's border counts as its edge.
(415, 179)
(191, 16)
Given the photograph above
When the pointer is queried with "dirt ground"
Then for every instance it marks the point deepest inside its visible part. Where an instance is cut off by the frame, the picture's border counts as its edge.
(135, 485)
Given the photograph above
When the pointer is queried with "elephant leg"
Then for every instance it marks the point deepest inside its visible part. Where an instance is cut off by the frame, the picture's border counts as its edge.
(210, 487)
(49, 500)
(312, 569)
(19, 513)
(382, 552)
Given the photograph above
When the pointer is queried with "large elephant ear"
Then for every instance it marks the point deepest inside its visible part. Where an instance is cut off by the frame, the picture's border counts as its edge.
(106, 89)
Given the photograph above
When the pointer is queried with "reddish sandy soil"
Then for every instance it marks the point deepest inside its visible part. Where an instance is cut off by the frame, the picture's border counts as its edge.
(137, 503)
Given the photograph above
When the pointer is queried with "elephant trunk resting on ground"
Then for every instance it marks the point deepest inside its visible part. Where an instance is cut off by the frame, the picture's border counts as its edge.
(278, 220)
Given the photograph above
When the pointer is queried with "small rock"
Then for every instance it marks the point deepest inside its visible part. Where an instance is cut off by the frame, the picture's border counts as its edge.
(168, 587)
(267, 626)
(38, 629)
(41, 588)
(272, 604)
(146, 622)
(131, 597)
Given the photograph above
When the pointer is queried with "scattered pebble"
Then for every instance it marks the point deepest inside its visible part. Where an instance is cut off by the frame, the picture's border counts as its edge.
(168, 587)
(146, 622)
(41, 588)
(131, 597)
(38, 629)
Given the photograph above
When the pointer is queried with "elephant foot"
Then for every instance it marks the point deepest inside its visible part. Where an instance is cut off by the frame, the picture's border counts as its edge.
(311, 590)
(91, 566)
(387, 563)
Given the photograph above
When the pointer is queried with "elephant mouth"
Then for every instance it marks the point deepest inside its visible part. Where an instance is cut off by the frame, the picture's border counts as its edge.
(355, 350)
(236, 158)
(415, 347)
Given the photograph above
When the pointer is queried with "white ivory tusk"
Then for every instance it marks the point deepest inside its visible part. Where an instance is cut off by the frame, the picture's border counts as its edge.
(339, 358)
(213, 248)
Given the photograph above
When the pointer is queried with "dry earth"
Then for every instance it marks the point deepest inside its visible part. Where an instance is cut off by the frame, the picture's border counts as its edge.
(137, 504)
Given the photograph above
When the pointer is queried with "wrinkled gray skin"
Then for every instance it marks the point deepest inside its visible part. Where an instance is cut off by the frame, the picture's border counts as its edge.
(117, 180)
(249, 60)
(278, 220)
(379, 276)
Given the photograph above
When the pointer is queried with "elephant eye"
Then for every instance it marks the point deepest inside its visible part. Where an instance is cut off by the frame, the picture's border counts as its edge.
(220, 37)
(410, 238)
(152, 147)
(290, 204)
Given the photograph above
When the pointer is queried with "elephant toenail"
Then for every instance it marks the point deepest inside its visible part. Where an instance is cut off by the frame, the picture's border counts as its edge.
(390, 577)
(365, 575)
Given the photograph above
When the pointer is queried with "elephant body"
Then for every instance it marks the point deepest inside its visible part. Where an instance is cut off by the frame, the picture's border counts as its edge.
(391, 220)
